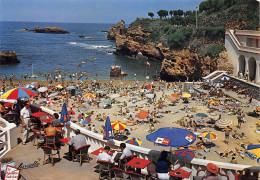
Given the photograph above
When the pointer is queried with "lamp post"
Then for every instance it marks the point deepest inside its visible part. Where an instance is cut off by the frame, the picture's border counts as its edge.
(196, 17)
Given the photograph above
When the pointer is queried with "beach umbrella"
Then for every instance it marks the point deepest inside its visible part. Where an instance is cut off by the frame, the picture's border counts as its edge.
(114, 96)
(150, 96)
(19, 93)
(202, 115)
(85, 119)
(152, 83)
(209, 135)
(71, 113)
(34, 83)
(53, 94)
(216, 103)
(70, 87)
(235, 105)
(42, 89)
(185, 153)
(129, 86)
(218, 84)
(186, 95)
(143, 90)
(59, 86)
(225, 78)
(172, 137)
(253, 150)
(107, 101)
(92, 96)
(64, 114)
(80, 82)
(50, 102)
(223, 123)
(40, 115)
(118, 125)
(99, 92)
(134, 141)
(42, 102)
(175, 95)
(208, 81)
(173, 98)
(142, 114)
(108, 131)
(29, 86)
(213, 116)
(159, 105)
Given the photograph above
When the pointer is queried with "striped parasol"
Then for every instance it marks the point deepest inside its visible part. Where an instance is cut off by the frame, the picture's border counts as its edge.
(19, 93)
(223, 123)
(173, 98)
(219, 85)
(92, 96)
(118, 125)
(216, 103)
(134, 141)
(208, 81)
(59, 86)
(143, 90)
(235, 105)
(185, 153)
(209, 135)
(129, 86)
(159, 105)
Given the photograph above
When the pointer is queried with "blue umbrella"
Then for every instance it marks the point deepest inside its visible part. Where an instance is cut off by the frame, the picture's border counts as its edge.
(30, 86)
(85, 119)
(208, 80)
(64, 114)
(108, 131)
(172, 137)
(225, 78)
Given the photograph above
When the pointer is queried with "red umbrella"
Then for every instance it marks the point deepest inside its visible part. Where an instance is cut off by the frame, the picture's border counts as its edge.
(142, 114)
(8, 104)
(185, 153)
(71, 113)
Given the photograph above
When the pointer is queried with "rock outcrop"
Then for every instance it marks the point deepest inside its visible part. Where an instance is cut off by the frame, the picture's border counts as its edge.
(52, 30)
(8, 58)
(118, 29)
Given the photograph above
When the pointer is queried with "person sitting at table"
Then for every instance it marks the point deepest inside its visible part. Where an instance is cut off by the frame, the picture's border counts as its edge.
(163, 165)
(125, 152)
(104, 156)
(51, 131)
(3, 111)
(56, 121)
(76, 142)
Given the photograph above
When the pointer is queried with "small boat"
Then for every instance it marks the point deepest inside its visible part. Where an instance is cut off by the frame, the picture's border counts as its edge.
(78, 65)
(83, 62)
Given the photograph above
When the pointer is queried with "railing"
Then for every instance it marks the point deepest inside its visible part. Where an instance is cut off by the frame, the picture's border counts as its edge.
(8, 137)
(213, 74)
(239, 46)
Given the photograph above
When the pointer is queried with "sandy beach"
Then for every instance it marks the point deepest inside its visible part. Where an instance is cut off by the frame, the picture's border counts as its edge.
(170, 115)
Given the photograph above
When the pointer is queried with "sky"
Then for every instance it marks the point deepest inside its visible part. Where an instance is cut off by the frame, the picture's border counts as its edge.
(87, 11)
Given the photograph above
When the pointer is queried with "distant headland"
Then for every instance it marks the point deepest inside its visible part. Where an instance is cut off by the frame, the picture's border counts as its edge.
(51, 30)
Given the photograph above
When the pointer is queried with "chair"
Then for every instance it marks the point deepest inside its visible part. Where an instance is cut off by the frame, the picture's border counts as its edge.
(119, 173)
(135, 176)
(48, 151)
(212, 168)
(50, 141)
(82, 152)
(104, 169)
(37, 135)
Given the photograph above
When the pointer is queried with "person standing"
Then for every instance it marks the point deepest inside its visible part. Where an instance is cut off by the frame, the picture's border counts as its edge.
(25, 118)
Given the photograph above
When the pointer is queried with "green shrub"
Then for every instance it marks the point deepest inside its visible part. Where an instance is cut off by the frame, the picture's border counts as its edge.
(195, 44)
(177, 40)
(212, 50)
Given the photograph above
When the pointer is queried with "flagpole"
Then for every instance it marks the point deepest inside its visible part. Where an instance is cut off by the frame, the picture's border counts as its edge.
(32, 70)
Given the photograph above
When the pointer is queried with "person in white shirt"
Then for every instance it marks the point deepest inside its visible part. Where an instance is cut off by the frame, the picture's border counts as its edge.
(125, 151)
(104, 156)
(25, 118)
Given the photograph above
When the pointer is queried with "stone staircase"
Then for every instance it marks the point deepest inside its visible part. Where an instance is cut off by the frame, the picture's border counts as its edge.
(215, 75)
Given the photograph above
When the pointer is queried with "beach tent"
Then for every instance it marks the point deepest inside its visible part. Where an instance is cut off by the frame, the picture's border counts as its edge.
(172, 137)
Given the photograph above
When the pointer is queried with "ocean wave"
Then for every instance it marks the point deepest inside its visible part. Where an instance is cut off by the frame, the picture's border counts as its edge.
(90, 46)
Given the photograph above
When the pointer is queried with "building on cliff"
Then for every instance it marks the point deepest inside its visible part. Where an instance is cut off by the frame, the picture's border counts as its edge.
(243, 48)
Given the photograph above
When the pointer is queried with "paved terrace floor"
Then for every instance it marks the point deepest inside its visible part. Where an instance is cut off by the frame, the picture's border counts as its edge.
(64, 170)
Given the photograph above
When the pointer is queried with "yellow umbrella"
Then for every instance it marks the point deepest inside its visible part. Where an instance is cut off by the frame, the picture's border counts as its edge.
(118, 125)
(90, 96)
(186, 95)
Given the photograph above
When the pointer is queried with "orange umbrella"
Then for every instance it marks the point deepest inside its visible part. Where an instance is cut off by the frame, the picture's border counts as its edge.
(173, 98)
(175, 95)
(142, 114)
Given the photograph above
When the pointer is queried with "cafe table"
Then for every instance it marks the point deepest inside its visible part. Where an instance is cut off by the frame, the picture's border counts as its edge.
(139, 163)
(65, 140)
(181, 172)
(100, 150)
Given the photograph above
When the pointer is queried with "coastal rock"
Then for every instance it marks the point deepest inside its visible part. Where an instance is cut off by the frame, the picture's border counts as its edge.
(8, 58)
(118, 29)
(52, 30)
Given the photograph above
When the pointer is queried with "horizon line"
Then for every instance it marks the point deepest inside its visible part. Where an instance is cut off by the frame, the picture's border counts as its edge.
(58, 22)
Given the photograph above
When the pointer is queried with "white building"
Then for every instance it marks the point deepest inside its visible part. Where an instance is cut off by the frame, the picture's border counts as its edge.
(243, 48)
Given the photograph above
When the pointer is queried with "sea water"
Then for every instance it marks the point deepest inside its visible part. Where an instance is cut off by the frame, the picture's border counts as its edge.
(66, 52)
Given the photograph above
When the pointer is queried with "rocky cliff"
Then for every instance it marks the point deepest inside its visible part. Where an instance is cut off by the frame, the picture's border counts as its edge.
(176, 64)
(8, 58)
(53, 30)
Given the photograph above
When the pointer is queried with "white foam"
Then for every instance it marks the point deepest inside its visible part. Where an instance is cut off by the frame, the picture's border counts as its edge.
(100, 46)
(72, 42)
(90, 46)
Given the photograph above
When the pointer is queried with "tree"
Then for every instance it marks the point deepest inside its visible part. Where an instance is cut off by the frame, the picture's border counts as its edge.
(151, 14)
(171, 12)
(162, 13)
